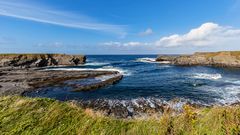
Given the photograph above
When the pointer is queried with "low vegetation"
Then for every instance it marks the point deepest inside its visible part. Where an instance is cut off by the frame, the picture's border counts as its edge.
(213, 54)
(22, 115)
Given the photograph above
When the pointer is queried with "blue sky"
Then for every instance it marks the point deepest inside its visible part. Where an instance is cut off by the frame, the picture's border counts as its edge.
(119, 27)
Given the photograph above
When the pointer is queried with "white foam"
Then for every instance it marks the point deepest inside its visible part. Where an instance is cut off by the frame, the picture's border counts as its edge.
(233, 81)
(229, 94)
(146, 59)
(207, 76)
(96, 64)
(164, 62)
(226, 95)
(151, 60)
(106, 77)
(138, 105)
(121, 71)
(105, 68)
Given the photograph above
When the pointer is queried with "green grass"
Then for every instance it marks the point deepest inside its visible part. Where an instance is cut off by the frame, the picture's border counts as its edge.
(21, 115)
(212, 54)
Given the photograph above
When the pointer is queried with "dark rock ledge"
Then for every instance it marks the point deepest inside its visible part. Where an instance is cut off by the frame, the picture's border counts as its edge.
(20, 73)
(19, 81)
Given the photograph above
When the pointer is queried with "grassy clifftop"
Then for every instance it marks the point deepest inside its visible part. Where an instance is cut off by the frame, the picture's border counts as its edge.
(222, 53)
(20, 115)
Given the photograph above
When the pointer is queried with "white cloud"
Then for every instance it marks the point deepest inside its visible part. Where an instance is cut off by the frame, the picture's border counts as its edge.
(206, 35)
(42, 14)
(148, 31)
(111, 43)
(125, 44)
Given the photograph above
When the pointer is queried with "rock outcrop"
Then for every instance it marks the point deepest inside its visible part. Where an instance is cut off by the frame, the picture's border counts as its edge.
(19, 81)
(220, 59)
(166, 58)
(39, 60)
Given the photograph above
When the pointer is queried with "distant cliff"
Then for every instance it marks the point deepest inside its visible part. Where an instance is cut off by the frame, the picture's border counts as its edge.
(40, 60)
(220, 59)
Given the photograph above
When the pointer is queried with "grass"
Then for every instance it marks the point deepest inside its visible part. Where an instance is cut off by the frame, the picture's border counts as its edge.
(22, 115)
(212, 54)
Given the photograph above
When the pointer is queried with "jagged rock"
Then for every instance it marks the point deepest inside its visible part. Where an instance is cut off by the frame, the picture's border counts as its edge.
(220, 59)
(40, 60)
(165, 58)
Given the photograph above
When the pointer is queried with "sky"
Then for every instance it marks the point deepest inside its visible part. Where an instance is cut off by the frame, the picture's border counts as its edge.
(119, 27)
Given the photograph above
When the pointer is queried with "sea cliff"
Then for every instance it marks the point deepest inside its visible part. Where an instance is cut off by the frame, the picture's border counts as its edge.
(40, 60)
(220, 59)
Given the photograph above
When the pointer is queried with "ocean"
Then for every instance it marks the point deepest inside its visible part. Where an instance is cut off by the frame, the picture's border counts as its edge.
(149, 82)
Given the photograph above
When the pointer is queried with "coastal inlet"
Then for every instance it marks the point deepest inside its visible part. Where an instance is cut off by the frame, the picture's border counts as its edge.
(147, 86)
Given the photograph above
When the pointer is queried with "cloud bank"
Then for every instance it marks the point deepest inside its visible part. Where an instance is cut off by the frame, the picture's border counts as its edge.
(41, 14)
(208, 34)
(205, 35)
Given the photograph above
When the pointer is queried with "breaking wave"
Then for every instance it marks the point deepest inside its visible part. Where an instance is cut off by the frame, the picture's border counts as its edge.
(135, 107)
(104, 68)
(96, 64)
(151, 60)
(207, 76)
(106, 77)
(228, 94)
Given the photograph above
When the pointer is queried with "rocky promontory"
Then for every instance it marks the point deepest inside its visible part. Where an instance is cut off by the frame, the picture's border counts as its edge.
(21, 73)
(18, 81)
(220, 59)
(39, 60)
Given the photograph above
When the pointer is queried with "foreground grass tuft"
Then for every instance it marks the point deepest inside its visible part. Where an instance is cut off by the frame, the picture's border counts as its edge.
(21, 115)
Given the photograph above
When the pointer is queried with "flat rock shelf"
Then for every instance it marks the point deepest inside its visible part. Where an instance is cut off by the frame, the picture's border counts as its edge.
(20, 81)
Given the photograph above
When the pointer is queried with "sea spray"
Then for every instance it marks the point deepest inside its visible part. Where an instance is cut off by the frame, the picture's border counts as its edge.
(135, 107)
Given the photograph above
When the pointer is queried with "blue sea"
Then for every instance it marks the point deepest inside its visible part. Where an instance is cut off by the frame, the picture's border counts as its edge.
(151, 82)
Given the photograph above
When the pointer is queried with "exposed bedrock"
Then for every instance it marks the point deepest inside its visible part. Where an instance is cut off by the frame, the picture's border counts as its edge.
(39, 60)
(220, 59)
(19, 81)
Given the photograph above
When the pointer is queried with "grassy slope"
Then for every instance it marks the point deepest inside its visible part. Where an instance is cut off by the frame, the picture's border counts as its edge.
(20, 115)
(212, 54)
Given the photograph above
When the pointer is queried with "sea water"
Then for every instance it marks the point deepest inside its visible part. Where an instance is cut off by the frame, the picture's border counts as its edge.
(150, 81)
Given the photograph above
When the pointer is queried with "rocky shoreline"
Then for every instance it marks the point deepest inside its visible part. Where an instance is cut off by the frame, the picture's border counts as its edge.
(40, 60)
(21, 73)
(219, 59)
(19, 81)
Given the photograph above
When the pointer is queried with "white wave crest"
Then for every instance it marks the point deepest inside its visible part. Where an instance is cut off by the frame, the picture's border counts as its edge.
(230, 94)
(146, 59)
(233, 81)
(96, 64)
(225, 95)
(138, 106)
(121, 71)
(151, 60)
(106, 77)
(207, 76)
(105, 68)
